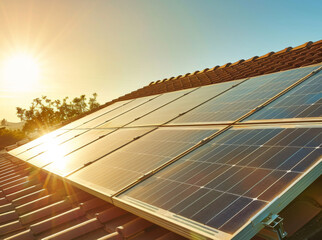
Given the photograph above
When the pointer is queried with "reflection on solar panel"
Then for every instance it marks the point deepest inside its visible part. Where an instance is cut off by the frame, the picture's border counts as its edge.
(97, 114)
(225, 182)
(54, 151)
(40, 148)
(235, 103)
(301, 102)
(144, 109)
(184, 104)
(131, 162)
(102, 147)
(38, 141)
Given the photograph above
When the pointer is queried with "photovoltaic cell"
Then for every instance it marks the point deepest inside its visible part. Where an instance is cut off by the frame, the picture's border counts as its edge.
(96, 114)
(146, 108)
(131, 162)
(228, 180)
(303, 101)
(102, 147)
(184, 104)
(245, 97)
(54, 151)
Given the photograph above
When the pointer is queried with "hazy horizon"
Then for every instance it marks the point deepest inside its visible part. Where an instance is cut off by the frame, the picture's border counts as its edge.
(115, 47)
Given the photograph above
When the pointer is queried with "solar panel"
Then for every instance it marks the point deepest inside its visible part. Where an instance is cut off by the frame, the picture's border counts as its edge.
(184, 104)
(36, 142)
(96, 114)
(50, 141)
(224, 183)
(117, 170)
(117, 112)
(103, 146)
(53, 150)
(302, 101)
(146, 108)
(244, 98)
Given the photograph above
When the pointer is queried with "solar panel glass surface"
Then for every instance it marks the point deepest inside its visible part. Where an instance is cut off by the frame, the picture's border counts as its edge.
(102, 146)
(131, 162)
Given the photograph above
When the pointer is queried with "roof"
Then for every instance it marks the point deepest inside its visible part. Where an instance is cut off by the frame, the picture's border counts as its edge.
(32, 208)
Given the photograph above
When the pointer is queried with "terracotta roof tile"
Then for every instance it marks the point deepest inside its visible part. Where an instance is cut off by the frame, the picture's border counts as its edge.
(57, 220)
(77, 230)
(26, 235)
(133, 227)
(110, 214)
(111, 236)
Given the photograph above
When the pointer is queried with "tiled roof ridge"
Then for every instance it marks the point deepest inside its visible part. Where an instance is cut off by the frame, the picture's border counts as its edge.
(303, 55)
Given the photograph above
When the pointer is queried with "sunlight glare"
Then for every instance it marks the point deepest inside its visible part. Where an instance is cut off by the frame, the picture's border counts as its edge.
(55, 153)
(21, 71)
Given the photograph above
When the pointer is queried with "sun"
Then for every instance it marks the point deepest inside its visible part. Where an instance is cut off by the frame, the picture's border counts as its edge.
(21, 72)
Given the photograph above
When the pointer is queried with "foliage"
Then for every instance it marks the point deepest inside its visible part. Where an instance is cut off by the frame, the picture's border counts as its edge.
(45, 113)
(9, 137)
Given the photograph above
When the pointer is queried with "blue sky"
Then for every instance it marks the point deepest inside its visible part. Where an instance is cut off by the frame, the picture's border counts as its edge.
(114, 47)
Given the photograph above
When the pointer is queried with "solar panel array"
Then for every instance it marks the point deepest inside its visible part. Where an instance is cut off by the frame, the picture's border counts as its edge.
(194, 158)
(224, 182)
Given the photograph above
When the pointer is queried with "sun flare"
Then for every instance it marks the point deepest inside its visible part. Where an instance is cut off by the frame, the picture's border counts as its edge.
(21, 72)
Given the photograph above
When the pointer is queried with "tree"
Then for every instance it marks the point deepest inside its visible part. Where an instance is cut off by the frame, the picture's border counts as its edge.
(9, 137)
(45, 113)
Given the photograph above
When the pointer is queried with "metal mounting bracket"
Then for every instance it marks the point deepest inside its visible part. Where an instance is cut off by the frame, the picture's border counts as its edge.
(274, 223)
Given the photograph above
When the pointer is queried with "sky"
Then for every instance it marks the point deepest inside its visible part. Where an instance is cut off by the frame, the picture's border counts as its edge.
(113, 47)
